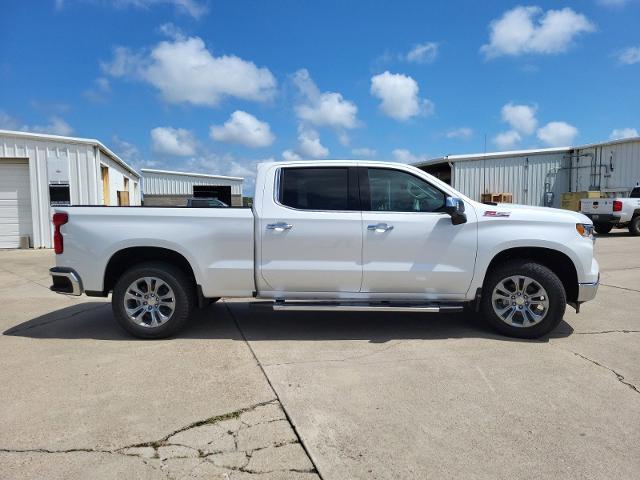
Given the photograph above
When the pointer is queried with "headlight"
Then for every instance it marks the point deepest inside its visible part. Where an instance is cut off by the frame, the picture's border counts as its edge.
(585, 230)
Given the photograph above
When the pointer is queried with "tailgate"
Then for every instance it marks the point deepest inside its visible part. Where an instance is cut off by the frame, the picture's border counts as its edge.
(597, 206)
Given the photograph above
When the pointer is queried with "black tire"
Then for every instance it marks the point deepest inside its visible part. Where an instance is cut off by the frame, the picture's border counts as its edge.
(183, 289)
(546, 278)
(602, 228)
(634, 226)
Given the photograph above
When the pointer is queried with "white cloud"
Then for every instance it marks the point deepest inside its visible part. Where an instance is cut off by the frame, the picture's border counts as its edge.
(531, 30)
(328, 109)
(521, 118)
(56, 125)
(192, 8)
(132, 155)
(364, 152)
(99, 92)
(7, 122)
(629, 55)
(507, 140)
(245, 129)
(422, 53)
(290, 156)
(557, 134)
(309, 144)
(399, 96)
(173, 141)
(184, 71)
(463, 133)
(619, 133)
(171, 30)
(403, 155)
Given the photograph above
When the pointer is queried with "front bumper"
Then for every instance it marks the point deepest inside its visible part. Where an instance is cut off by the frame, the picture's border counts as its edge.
(587, 291)
(65, 280)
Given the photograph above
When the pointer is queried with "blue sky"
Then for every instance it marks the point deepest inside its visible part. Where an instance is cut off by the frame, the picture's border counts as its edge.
(217, 86)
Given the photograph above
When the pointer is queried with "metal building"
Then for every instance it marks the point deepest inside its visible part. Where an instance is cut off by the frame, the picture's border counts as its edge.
(539, 177)
(168, 188)
(38, 172)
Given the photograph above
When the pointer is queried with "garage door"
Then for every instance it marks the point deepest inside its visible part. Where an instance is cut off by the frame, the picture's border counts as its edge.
(15, 202)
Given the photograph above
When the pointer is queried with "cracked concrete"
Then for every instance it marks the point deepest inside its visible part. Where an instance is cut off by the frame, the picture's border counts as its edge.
(247, 443)
(241, 442)
(618, 376)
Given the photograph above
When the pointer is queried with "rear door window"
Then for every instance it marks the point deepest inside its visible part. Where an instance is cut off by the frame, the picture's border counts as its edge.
(324, 188)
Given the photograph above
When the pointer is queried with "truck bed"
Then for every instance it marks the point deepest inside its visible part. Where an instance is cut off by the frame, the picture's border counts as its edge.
(217, 242)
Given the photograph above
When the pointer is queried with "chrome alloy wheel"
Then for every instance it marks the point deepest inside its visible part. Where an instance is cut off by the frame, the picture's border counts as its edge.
(520, 301)
(149, 302)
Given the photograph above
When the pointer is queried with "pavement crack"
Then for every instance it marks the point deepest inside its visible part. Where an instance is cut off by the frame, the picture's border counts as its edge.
(620, 288)
(46, 450)
(607, 331)
(208, 421)
(619, 376)
(284, 409)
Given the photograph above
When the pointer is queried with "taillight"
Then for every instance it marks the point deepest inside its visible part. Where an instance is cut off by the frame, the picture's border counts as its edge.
(617, 206)
(59, 219)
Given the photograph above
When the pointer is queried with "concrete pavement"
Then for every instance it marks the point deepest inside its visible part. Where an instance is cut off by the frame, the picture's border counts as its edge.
(368, 395)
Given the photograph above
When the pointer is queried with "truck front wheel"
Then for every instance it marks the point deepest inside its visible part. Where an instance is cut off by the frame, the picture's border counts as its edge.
(602, 228)
(634, 226)
(523, 299)
(153, 300)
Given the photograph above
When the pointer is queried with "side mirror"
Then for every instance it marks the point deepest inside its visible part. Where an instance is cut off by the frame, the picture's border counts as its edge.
(454, 207)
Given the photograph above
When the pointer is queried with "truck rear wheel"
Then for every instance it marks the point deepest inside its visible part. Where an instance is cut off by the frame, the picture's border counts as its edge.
(153, 300)
(523, 299)
(634, 226)
(602, 228)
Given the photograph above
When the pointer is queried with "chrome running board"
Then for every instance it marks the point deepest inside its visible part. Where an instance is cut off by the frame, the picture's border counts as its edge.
(367, 307)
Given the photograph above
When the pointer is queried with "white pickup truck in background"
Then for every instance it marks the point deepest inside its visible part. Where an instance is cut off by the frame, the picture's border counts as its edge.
(607, 213)
(332, 235)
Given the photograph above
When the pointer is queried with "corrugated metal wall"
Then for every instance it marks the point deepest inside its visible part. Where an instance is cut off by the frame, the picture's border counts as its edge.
(522, 176)
(85, 186)
(623, 157)
(168, 184)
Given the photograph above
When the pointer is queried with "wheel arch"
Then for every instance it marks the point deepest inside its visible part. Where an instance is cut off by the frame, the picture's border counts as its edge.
(128, 257)
(555, 260)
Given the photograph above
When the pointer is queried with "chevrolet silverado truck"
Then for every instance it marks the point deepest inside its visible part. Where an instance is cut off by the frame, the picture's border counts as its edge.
(332, 236)
(607, 213)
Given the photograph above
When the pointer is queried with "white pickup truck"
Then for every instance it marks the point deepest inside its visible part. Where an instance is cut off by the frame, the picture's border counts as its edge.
(607, 213)
(332, 235)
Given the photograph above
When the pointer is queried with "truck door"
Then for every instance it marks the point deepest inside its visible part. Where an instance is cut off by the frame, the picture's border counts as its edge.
(410, 246)
(311, 233)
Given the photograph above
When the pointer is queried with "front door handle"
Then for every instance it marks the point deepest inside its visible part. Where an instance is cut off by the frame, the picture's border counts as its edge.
(279, 227)
(380, 227)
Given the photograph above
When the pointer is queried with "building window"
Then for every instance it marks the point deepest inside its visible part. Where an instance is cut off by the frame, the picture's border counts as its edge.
(59, 195)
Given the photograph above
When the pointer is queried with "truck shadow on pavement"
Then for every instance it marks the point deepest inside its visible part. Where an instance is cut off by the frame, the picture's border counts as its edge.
(239, 321)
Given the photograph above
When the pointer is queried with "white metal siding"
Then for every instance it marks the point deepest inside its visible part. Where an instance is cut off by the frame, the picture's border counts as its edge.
(85, 186)
(168, 184)
(15, 202)
(523, 176)
(625, 158)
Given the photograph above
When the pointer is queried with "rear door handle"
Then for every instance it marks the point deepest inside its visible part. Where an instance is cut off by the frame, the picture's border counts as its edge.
(380, 227)
(279, 227)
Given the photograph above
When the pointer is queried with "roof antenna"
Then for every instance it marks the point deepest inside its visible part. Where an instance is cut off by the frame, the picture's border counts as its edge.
(485, 143)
